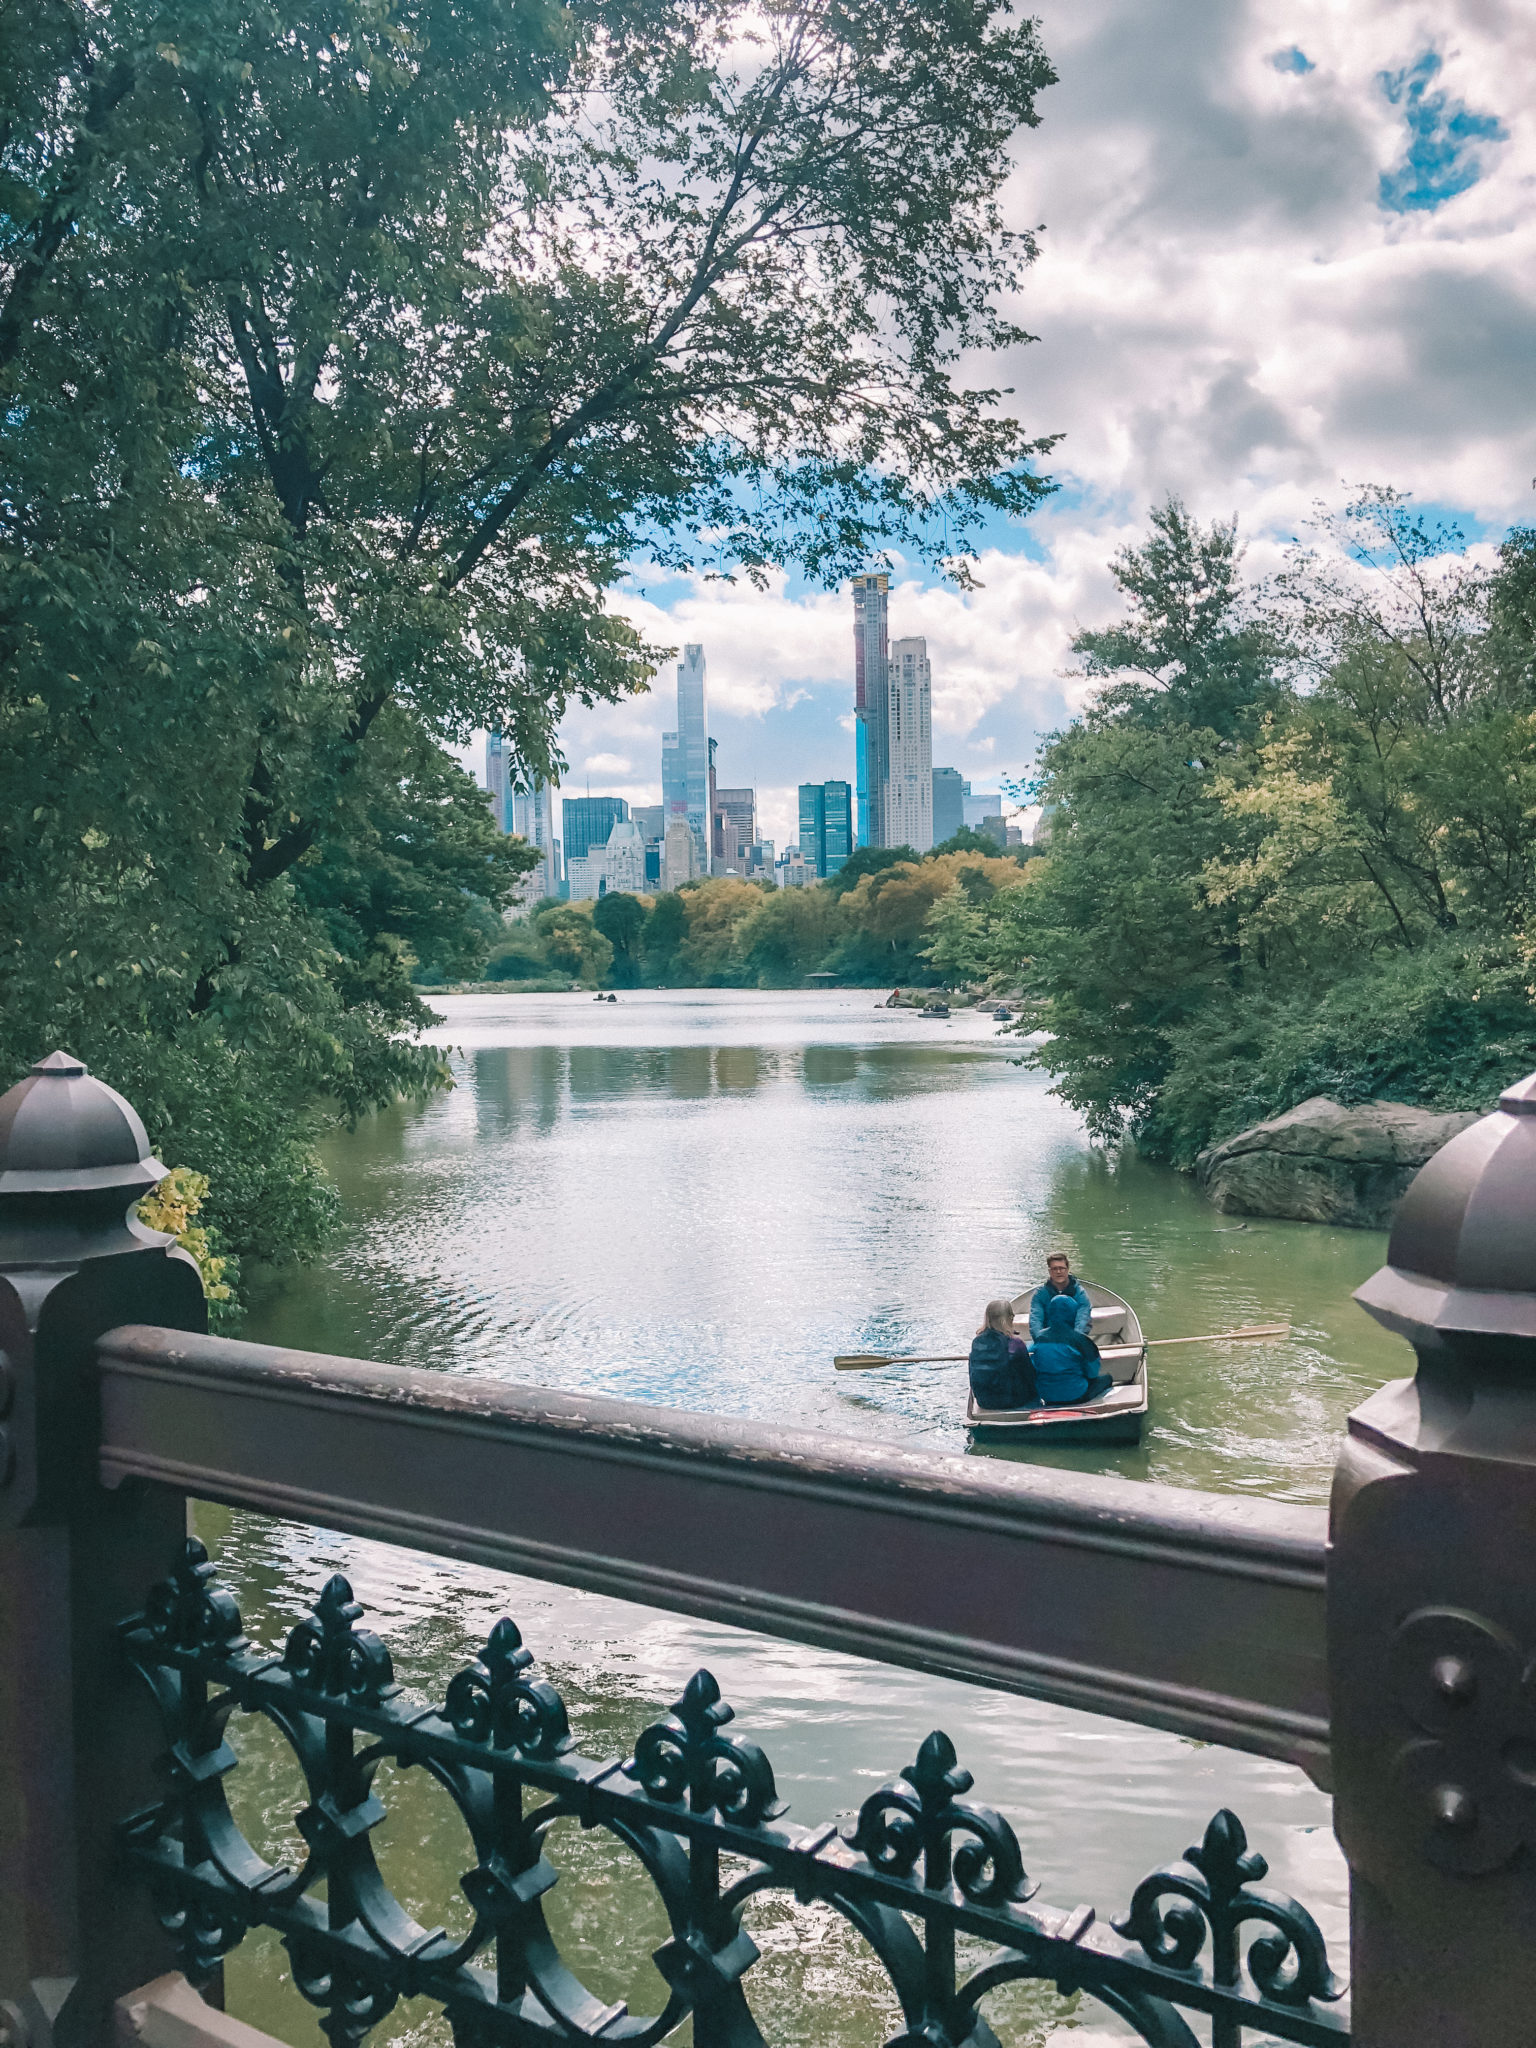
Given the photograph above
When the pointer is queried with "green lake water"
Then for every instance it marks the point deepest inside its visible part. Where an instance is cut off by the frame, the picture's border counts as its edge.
(696, 1199)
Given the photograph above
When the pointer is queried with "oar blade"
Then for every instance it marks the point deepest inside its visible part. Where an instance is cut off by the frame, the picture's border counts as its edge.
(861, 1361)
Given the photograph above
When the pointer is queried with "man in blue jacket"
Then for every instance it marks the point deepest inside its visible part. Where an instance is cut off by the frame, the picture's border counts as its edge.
(1060, 1281)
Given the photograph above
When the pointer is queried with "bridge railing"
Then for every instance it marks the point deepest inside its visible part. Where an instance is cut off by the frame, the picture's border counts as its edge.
(1391, 1664)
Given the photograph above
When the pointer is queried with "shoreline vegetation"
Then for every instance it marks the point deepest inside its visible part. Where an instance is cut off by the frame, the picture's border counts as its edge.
(1287, 851)
(887, 920)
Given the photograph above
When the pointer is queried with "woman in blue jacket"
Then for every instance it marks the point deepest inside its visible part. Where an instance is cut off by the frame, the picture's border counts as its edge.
(1066, 1363)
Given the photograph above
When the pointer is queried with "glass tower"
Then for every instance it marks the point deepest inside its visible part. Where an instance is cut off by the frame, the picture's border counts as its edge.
(871, 694)
(826, 826)
(693, 749)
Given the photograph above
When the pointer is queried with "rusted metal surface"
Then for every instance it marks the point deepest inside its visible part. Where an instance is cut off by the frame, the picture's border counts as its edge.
(1188, 1611)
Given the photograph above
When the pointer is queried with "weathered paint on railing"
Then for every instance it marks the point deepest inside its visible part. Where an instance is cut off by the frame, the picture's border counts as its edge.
(1197, 1612)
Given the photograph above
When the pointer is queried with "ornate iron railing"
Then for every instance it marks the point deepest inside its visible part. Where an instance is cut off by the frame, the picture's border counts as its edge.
(921, 1865)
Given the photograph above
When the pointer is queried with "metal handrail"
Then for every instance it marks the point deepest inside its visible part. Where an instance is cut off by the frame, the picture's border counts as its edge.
(1194, 1612)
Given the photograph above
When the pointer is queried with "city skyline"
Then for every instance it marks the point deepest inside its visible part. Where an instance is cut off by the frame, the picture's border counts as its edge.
(890, 728)
(1261, 284)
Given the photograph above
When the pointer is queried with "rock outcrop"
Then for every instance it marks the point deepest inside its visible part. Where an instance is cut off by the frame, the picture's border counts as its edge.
(1324, 1163)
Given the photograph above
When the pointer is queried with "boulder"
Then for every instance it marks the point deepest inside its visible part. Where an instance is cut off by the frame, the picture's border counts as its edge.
(1324, 1163)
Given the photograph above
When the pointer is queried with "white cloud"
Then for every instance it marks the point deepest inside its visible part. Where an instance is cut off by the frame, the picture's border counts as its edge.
(1225, 310)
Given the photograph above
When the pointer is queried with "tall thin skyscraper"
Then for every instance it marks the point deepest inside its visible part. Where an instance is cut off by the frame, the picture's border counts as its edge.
(528, 811)
(693, 748)
(909, 783)
(533, 819)
(871, 683)
(497, 784)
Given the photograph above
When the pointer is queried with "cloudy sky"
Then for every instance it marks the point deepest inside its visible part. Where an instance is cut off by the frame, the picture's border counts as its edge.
(1290, 246)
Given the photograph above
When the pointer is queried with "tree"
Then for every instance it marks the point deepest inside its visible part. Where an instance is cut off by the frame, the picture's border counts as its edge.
(662, 938)
(345, 362)
(573, 943)
(866, 860)
(787, 936)
(1332, 894)
(1192, 650)
(967, 840)
(621, 919)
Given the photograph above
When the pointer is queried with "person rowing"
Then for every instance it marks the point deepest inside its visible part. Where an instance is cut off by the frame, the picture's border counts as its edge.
(1060, 1280)
(1065, 1359)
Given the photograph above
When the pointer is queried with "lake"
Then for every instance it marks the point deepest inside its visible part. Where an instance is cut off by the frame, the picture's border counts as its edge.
(695, 1198)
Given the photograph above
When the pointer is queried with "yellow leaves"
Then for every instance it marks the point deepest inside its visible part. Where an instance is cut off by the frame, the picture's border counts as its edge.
(169, 54)
(95, 839)
(170, 1206)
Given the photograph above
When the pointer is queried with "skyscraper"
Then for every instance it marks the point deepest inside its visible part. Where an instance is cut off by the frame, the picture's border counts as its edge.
(909, 775)
(837, 810)
(533, 819)
(948, 804)
(735, 827)
(693, 749)
(588, 821)
(981, 804)
(528, 811)
(871, 677)
(497, 787)
(674, 784)
(826, 826)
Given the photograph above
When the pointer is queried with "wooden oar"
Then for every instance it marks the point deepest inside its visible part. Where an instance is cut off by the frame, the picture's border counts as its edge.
(867, 1361)
(1228, 1336)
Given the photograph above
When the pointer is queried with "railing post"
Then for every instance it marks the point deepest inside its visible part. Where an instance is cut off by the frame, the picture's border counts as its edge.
(76, 1747)
(1432, 1612)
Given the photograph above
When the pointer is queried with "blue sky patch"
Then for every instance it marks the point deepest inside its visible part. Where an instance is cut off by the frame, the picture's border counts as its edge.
(1442, 157)
(1294, 60)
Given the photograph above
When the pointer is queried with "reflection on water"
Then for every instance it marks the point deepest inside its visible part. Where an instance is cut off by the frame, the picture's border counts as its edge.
(696, 1200)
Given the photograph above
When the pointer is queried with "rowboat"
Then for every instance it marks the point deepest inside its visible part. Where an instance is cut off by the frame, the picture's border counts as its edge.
(1115, 1418)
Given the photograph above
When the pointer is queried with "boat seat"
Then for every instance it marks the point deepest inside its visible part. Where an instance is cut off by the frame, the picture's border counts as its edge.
(1106, 1322)
(1120, 1360)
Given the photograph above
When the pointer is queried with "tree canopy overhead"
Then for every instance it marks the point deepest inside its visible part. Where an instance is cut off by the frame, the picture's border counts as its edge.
(349, 353)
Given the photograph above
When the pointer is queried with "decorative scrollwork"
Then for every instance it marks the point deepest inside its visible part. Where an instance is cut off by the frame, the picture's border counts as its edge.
(349, 2002)
(919, 1814)
(923, 1864)
(685, 1753)
(188, 1610)
(1218, 1880)
(330, 1652)
(491, 1701)
(203, 1930)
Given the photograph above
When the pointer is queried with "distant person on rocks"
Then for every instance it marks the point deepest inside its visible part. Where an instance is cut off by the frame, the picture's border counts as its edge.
(1001, 1374)
(1065, 1360)
(1060, 1280)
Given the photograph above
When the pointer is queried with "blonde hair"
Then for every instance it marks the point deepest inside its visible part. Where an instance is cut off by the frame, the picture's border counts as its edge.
(999, 1313)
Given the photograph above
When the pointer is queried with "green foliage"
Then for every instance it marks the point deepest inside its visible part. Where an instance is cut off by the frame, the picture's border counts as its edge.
(621, 920)
(866, 860)
(344, 361)
(1324, 890)
(1191, 652)
(572, 942)
(967, 840)
(662, 939)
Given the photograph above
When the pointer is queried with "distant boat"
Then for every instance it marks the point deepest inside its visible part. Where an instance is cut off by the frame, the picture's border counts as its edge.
(1002, 1016)
(936, 1010)
(1115, 1418)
